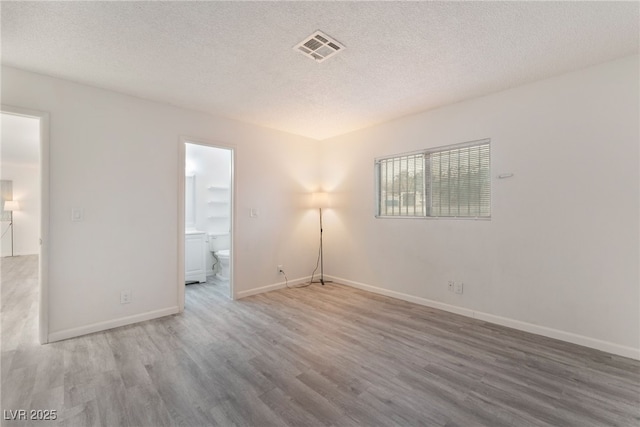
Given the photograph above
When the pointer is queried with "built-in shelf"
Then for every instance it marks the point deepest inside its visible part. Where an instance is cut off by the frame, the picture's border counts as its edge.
(220, 202)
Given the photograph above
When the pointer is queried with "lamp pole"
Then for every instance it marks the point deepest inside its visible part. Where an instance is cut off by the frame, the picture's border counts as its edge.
(10, 206)
(320, 200)
(11, 225)
(321, 251)
(322, 281)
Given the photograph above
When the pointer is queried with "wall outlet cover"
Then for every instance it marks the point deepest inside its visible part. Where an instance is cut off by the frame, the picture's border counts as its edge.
(125, 297)
(77, 214)
(458, 288)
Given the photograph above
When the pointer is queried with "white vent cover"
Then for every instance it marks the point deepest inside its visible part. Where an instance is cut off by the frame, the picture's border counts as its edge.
(319, 46)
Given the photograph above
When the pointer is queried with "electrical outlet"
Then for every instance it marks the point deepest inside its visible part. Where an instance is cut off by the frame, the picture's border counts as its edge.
(451, 285)
(280, 269)
(125, 297)
(458, 288)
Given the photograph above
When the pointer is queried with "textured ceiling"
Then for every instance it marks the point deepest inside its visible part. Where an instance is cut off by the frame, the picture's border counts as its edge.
(235, 59)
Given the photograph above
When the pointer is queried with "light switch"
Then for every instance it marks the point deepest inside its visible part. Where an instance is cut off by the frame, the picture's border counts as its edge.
(253, 212)
(77, 214)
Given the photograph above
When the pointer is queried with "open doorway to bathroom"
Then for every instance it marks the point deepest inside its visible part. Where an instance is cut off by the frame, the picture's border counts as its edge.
(208, 219)
(24, 170)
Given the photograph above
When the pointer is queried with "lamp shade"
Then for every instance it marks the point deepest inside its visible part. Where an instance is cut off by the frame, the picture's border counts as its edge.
(11, 205)
(320, 200)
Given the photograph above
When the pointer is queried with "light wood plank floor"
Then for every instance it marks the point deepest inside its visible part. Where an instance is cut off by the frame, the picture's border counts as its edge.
(316, 356)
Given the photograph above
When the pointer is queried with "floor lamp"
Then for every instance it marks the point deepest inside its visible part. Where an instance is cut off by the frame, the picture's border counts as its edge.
(10, 206)
(320, 200)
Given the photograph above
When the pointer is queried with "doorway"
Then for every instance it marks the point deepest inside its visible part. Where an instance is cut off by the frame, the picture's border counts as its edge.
(206, 220)
(25, 182)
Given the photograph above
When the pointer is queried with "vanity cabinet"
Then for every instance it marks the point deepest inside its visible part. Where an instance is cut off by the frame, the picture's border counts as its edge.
(195, 257)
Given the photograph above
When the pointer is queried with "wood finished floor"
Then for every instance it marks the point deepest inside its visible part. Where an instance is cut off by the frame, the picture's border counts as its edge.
(331, 356)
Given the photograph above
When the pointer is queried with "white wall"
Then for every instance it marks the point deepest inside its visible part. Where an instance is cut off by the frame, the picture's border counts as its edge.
(116, 157)
(561, 251)
(26, 190)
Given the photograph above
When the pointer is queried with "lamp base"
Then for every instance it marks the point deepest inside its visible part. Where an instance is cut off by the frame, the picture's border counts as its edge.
(322, 281)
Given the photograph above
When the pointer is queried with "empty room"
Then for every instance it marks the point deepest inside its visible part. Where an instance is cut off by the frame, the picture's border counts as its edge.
(320, 213)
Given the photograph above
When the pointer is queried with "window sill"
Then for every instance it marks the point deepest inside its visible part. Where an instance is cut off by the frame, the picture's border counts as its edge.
(456, 218)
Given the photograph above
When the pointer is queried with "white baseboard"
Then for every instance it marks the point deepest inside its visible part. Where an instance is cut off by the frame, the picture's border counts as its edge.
(15, 254)
(273, 287)
(609, 347)
(110, 324)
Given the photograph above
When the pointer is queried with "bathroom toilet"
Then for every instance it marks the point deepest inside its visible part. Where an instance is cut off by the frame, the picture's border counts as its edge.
(219, 244)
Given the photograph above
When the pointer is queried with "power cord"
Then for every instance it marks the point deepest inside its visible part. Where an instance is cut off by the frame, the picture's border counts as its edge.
(286, 282)
(315, 269)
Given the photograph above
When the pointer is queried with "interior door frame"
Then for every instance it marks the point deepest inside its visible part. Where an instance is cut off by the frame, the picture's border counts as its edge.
(43, 255)
(181, 211)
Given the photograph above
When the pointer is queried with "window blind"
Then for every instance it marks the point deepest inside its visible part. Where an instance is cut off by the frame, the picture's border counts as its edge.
(460, 182)
(401, 184)
(453, 181)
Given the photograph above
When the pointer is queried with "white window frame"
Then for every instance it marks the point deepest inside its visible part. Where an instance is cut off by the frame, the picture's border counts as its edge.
(427, 153)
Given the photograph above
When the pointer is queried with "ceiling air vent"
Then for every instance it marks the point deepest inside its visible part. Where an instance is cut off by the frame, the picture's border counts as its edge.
(318, 46)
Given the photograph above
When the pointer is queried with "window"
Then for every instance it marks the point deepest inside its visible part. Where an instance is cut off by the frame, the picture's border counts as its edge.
(401, 186)
(453, 181)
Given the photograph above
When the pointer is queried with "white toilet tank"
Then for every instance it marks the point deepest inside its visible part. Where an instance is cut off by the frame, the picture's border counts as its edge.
(219, 242)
